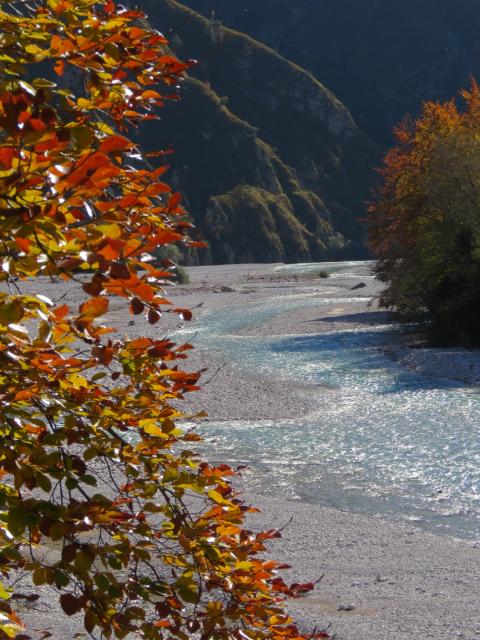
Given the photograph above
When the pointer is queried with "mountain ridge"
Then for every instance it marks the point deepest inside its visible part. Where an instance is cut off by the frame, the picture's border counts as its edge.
(382, 59)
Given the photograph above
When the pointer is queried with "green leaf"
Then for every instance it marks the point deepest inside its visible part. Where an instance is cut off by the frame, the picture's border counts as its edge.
(11, 312)
(102, 581)
(43, 83)
(56, 531)
(16, 521)
(39, 576)
(90, 621)
(61, 579)
(90, 480)
(187, 588)
(83, 561)
(43, 482)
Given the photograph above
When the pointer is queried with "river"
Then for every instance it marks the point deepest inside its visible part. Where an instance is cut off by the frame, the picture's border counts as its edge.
(384, 440)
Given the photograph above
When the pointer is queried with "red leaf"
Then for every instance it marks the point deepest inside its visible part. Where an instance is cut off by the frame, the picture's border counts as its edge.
(174, 201)
(119, 75)
(119, 271)
(136, 306)
(153, 316)
(95, 287)
(70, 604)
(6, 156)
(185, 314)
(23, 244)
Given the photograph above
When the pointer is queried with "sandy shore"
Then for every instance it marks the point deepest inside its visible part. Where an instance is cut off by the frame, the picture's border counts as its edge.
(396, 581)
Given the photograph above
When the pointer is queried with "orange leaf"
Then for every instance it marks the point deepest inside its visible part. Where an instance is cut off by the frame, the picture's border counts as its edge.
(135, 33)
(151, 95)
(112, 249)
(23, 244)
(56, 43)
(61, 312)
(94, 307)
(59, 67)
(115, 143)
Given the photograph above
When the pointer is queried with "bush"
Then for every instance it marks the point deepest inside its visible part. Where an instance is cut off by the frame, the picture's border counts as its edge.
(424, 225)
(182, 275)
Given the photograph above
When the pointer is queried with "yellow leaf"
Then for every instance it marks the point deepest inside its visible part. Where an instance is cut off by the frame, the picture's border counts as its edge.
(110, 230)
(152, 429)
(4, 595)
(83, 103)
(217, 497)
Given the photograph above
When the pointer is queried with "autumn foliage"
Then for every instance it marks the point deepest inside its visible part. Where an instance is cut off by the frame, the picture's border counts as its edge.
(424, 224)
(146, 538)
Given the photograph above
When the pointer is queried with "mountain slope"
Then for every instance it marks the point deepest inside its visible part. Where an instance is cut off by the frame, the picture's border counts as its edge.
(382, 58)
(292, 126)
(247, 204)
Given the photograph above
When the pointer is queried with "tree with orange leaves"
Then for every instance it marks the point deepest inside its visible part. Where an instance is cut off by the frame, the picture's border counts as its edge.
(424, 225)
(101, 500)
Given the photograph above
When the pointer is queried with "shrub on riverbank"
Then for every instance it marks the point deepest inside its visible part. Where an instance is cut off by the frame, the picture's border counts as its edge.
(424, 224)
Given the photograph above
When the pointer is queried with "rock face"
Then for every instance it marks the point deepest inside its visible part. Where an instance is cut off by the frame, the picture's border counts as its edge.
(272, 164)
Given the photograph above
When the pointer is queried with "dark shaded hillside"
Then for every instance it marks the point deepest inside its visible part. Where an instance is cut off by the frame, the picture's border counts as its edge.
(267, 156)
(382, 58)
(245, 201)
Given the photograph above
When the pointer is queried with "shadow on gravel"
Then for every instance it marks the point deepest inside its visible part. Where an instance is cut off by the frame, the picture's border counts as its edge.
(364, 317)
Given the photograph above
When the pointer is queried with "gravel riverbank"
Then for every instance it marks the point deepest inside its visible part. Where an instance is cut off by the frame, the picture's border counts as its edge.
(381, 580)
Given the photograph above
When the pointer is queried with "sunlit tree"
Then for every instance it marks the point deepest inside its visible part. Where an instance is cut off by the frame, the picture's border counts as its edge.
(424, 224)
(148, 538)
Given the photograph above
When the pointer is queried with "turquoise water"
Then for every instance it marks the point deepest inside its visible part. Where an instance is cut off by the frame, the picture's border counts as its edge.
(382, 440)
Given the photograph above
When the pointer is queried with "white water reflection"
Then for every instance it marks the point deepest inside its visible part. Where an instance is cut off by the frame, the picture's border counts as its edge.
(384, 440)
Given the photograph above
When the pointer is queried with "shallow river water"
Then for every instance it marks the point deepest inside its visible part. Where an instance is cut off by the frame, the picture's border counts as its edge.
(383, 440)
